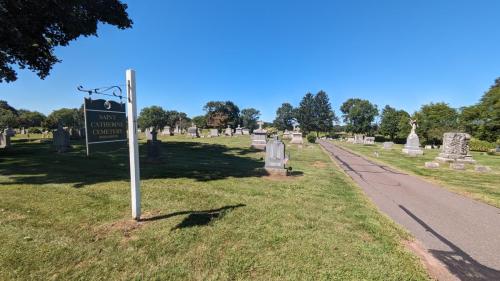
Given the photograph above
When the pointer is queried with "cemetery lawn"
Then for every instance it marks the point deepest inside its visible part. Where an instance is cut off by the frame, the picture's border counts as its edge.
(481, 186)
(209, 214)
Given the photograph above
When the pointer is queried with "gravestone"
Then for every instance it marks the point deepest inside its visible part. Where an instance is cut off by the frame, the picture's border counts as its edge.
(82, 132)
(350, 140)
(60, 140)
(149, 134)
(482, 169)
(432, 165)
(275, 157)
(165, 131)
(23, 131)
(428, 147)
(177, 130)
(10, 132)
(369, 141)
(457, 166)
(455, 148)
(358, 139)
(497, 149)
(245, 132)
(259, 137)
(287, 135)
(228, 131)
(238, 131)
(214, 133)
(388, 145)
(297, 136)
(193, 131)
(412, 146)
(4, 140)
(153, 146)
(74, 133)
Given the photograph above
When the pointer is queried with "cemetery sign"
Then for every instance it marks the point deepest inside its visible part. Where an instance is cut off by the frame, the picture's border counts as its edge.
(105, 122)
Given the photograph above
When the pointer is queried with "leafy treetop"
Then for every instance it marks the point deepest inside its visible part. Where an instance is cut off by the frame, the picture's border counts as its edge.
(31, 29)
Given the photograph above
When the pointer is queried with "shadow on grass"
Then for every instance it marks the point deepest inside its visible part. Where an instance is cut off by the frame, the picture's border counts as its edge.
(37, 163)
(196, 218)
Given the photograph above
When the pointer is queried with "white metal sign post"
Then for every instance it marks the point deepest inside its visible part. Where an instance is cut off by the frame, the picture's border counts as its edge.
(135, 187)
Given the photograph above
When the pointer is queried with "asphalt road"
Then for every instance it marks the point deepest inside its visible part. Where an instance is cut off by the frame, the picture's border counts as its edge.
(461, 233)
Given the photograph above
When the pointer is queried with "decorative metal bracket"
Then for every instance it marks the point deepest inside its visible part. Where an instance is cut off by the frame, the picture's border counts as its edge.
(111, 91)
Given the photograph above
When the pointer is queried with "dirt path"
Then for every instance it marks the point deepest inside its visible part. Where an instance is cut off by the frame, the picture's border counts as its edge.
(461, 233)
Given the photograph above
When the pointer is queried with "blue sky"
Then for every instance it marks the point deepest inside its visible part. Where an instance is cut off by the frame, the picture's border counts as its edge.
(263, 53)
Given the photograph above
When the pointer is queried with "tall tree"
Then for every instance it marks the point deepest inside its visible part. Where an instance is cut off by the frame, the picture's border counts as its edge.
(305, 114)
(221, 113)
(29, 119)
(404, 127)
(31, 29)
(7, 119)
(8, 116)
(154, 117)
(249, 118)
(200, 121)
(482, 120)
(434, 120)
(68, 117)
(359, 115)
(390, 121)
(284, 117)
(323, 114)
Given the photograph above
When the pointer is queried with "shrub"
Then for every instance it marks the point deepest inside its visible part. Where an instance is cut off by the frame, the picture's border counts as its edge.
(479, 145)
(311, 137)
(379, 138)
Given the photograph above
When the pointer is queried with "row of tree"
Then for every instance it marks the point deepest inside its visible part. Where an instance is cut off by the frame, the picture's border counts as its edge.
(481, 120)
(314, 114)
(11, 117)
(219, 114)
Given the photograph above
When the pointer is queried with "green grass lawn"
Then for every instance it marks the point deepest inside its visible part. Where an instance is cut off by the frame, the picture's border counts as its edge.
(481, 186)
(210, 214)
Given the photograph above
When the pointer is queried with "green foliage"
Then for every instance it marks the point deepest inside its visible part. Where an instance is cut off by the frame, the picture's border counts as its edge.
(30, 118)
(311, 137)
(31, 29)
(7, 119)
(359, 115)
(66, 117)
(434, 120)
(220, 114)
(480, 145)
(391, 123)
(404, 127)
(249, 117)
(200, 121)
(5, 105)
(313, 114)
(323, 114)
(152, 117)
(285, 116)
(305, 113)
(483, 119)
(271, 130)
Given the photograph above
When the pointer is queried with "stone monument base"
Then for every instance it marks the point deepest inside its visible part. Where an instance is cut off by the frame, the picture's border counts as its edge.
(259, 145)
(413, 151)
(445, 157)
(276, 171)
